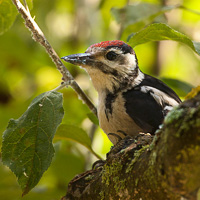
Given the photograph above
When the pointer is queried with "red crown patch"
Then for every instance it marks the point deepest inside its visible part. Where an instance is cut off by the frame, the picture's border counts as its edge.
(108, 43)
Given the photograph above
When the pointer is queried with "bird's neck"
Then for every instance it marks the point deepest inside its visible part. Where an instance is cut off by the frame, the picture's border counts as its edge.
(107, 83)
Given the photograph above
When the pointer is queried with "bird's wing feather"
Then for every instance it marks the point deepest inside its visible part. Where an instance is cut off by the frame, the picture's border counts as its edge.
(148, 103)
(158, 84)
(143, 109)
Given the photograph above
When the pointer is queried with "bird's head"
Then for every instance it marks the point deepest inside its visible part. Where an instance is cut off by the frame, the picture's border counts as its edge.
(110, 64)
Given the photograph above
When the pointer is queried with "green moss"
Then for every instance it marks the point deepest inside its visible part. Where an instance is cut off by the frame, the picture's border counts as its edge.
(198, 122)
(198, 194)
(111, 173)
(152, 172)
(188, 122)
(136, 181)
(89, 177)
(136, 156)
(187, 161)
(102, 195)
(119, 184)
(149, 175)
(173, 115)
(106, 175)
(155, 139)
(152, 160)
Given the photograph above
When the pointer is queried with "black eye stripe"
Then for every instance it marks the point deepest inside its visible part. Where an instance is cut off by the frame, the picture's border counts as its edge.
(111, 55)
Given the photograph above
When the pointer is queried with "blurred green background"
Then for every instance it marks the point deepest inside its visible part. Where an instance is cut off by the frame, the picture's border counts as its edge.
(71, 26)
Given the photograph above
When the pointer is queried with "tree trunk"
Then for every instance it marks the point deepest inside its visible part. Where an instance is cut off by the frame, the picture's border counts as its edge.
(167, 168)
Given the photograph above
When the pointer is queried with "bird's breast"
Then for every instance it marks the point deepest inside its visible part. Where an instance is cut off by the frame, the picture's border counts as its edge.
(113, 117)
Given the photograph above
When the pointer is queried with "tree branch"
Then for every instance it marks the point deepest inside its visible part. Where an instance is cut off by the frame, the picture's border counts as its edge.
(39, 37)
(168, 168)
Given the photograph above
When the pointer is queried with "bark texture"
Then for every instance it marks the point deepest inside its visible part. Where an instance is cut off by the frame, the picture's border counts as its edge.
(166, 168)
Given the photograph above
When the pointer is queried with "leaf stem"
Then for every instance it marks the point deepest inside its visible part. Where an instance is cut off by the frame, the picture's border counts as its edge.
(95, 154)
(61, 86)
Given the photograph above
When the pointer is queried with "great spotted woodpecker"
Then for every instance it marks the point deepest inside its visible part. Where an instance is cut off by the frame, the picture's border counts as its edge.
(129, 101)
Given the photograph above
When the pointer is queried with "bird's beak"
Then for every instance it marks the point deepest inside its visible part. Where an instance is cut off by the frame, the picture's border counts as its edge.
(82, 59)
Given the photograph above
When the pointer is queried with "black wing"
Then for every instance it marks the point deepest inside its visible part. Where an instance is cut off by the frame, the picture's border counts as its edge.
(143, 109)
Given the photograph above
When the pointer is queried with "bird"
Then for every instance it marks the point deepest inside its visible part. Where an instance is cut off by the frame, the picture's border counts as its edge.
(130, 102)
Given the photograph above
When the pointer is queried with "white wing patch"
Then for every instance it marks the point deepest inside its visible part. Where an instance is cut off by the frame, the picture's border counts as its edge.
(161, 97)
(168, 108)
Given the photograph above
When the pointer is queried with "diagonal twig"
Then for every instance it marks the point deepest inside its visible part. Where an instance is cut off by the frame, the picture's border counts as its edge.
(39, 37)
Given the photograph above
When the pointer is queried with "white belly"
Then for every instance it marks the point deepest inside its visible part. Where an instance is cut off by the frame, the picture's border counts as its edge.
(119, 120)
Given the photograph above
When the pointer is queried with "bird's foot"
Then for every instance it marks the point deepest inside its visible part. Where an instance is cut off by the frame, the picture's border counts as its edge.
(98, 164)
(120, 145)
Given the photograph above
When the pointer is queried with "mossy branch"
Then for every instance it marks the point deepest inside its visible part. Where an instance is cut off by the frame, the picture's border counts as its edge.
(167, 168)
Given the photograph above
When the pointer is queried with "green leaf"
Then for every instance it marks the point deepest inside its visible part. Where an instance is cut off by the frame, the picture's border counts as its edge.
(74, 133)
(134, 17)
(180, 87)
(27, 142)
(159, 31)
(8, 13)
(142, 12)
(93, 118)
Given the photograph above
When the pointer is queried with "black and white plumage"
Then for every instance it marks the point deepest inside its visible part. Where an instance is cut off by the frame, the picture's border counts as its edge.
(129, 101)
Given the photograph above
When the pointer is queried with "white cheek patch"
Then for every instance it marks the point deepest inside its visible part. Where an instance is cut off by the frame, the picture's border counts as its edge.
(131, 61)
(138, 79)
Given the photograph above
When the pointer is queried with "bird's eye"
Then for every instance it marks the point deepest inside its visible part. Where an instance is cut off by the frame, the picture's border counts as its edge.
(111, 55)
